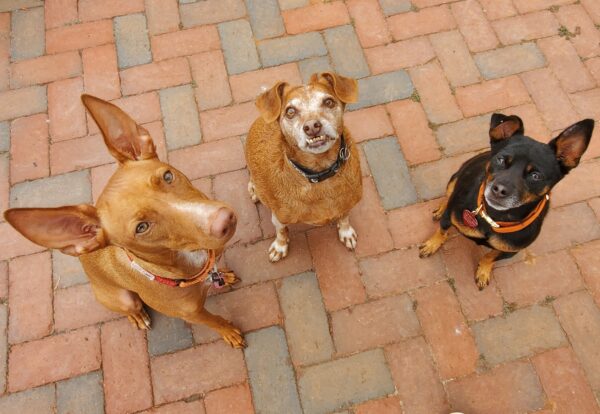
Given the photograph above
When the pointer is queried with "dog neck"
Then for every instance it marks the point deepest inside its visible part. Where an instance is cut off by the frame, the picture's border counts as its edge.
(173, 265)
(315, 162)
(512, 220)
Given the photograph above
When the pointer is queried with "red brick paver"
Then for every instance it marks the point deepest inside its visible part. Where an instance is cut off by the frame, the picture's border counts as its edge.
(424, 318)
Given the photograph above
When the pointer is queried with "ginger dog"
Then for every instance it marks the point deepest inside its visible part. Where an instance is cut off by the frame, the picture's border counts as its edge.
(303, 163)
(151, 238)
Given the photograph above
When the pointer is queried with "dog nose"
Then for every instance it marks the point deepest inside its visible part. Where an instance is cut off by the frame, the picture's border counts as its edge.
(499, 190)
(312, 128)
(224, 223)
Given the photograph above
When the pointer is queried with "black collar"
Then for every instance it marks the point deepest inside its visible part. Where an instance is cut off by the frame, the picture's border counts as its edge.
(318, 176)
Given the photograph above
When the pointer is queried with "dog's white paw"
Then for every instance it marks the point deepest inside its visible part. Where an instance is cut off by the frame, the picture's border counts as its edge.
(252, 192)
(277, 251)
(348, 237)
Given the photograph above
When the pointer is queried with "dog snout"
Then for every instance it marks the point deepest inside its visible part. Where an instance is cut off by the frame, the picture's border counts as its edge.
(312, 128)
(224, 223)
(500, 190)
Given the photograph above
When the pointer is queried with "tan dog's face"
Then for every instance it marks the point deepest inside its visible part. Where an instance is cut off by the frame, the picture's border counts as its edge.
(310, 116)
(147, 207)
(150, 207)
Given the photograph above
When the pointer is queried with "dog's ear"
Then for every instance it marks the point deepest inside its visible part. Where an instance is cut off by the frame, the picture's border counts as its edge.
(73, 230)
(269, 102)
(346, 89)
(570, 144)
(503, 127)
(126, 140)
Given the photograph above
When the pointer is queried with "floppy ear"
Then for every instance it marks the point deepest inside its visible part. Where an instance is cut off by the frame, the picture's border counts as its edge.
(126, 140)
(503, 127)
(269, 102)
(73, 230)
(570, 144)
(346, 89)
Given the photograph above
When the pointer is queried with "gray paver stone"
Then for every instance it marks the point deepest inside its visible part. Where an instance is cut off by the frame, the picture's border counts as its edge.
(55, 191)
(287, 49)
(313, 65)
(238, 47)
(305, 319)
(510, 60)
(82, 394)
(390, 172)
(167, 334)
(133, 45)
(346, 53)
(180, 117)
(337, 384)
(271, 374)
(384, 88)
(28, 41)
(265, 18)
(521, 333)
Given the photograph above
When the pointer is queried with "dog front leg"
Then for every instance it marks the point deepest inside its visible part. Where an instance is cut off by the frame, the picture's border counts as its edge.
(252, 192)
(230, 333)
(125, 302)
(484, 269)
(279, 248)
(346, 233)
(434, 243)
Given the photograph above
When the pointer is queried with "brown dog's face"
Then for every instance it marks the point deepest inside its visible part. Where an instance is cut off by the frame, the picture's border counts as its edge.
(147, 207)
(310, 116)
(150, 207)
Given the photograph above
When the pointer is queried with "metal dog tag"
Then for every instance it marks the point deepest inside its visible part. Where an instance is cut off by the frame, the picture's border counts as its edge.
(217, 279)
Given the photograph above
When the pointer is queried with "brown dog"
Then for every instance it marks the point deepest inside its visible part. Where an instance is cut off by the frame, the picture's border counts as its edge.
(303, 164)
(152, 237)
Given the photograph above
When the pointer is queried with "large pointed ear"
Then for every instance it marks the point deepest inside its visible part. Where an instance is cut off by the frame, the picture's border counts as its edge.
(346, 89)
(570, 144)
(503, 127)
(269, 102)
(126, 140)
(73, 230)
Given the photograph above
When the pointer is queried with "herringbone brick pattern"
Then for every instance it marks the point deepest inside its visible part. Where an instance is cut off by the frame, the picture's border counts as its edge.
(377, 331)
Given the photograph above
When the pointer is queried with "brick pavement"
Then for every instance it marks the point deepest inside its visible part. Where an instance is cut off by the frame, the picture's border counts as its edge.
(375, 331)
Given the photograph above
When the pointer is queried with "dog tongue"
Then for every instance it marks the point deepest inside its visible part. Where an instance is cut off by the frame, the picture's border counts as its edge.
(469, 219)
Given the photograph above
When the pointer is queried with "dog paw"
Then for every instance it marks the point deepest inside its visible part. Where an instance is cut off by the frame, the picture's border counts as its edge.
(428, 248)
(348, 237)
(233, 337)
(277, 251)
(252, 192)
(482, 277)
(140, 320)
(437, 214)
(433, 244)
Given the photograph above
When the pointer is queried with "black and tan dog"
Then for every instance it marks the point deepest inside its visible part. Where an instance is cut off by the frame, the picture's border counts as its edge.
(500, 198)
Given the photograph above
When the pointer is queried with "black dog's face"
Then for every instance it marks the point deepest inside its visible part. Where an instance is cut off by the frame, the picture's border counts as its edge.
(522, 170)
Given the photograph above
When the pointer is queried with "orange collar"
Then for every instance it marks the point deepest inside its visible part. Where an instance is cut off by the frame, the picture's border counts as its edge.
(508, 226)
(205, 274)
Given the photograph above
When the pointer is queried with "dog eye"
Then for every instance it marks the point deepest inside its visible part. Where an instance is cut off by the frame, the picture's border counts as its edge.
(290, 112)
(142, 227)
(536, 176)
(168, 177)
(329, 103)
(500, 161)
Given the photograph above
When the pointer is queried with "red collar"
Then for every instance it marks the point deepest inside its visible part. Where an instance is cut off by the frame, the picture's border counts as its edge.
(204, 274)
(508, 226)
